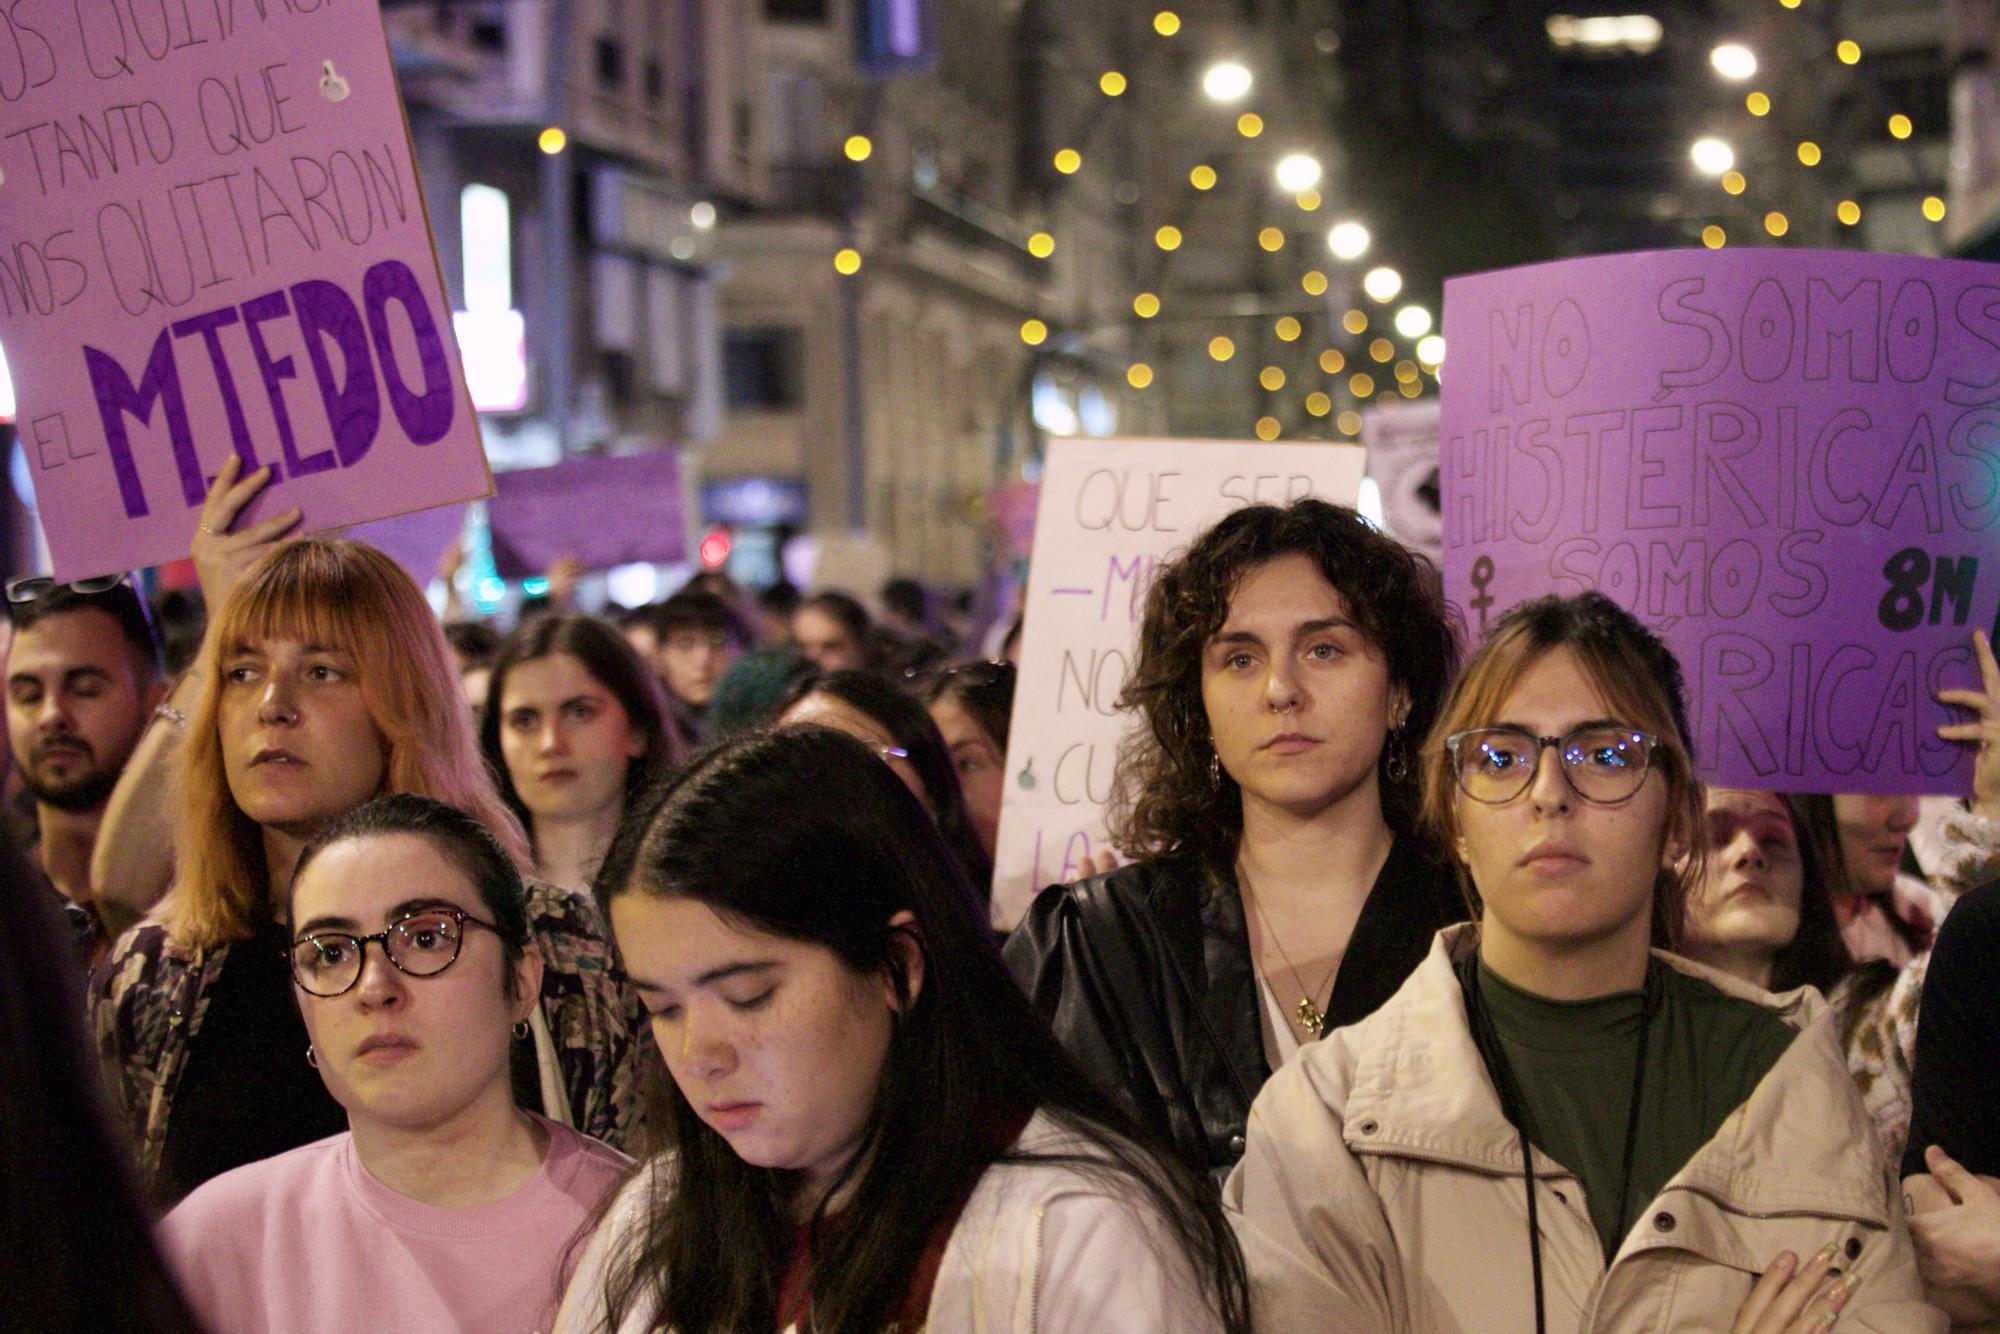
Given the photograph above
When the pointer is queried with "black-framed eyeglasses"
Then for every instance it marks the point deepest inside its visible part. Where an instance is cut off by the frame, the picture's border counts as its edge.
(1604, 765)
(422, 944)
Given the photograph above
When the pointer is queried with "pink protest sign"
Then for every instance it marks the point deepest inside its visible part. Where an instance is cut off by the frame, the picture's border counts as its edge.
(1786, 462)
(212, 239)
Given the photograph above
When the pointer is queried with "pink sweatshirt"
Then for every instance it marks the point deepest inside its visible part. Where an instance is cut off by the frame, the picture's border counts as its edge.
(309, 1243)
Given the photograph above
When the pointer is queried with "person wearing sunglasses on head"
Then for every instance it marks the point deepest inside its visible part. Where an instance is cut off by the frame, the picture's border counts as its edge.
(83, 679)
(1552, 1126)
(444, 1205)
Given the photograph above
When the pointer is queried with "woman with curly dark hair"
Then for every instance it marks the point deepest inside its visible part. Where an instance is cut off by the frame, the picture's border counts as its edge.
(1289, 664)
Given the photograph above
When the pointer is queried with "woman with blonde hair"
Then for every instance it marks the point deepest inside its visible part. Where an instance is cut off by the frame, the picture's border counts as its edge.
(1551, 1126)
(324, 681)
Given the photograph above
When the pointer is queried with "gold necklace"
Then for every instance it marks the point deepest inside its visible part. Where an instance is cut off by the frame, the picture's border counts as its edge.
(1306, 1014)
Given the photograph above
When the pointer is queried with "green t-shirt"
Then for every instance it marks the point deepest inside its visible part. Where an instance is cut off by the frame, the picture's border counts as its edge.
(1572, 1063)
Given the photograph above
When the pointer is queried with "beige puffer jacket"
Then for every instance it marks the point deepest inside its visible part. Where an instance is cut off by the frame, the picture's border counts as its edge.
(1382, 1190)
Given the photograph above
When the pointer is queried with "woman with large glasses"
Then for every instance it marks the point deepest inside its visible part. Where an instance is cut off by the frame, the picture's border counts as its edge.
(1550, 1126)
(324, 681)
(444, 1206)
(1287, 663)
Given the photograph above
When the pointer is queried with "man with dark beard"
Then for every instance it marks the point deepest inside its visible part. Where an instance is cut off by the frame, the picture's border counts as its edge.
(83, 677)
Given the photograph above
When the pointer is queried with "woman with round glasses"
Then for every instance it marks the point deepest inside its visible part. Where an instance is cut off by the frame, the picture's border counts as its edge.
(1551, 1126)
(1287, 665)
(444, 1206)
(324, 681)
(893, 725)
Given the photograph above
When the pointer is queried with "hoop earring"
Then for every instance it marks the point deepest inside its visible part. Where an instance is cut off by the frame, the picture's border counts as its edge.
(1397, 766)
(521, 1031)
(312, 1057)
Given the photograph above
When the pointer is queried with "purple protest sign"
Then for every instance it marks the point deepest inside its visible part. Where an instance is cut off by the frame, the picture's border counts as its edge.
(602, 511)
(1786, 462)
(212, 239)
(417, 540)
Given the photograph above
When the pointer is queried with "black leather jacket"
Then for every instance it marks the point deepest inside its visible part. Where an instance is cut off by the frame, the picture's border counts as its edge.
(1145, 975)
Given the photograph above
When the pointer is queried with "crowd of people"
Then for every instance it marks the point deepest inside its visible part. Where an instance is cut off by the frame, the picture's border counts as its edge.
(634, 972)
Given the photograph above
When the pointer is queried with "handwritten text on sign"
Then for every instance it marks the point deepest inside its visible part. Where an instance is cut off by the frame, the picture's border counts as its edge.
(1110, 511)
(1788, 463)
(212, 239)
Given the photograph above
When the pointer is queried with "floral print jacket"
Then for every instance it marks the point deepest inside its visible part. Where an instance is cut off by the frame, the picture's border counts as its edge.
(148, 1000)
(1880, 1030)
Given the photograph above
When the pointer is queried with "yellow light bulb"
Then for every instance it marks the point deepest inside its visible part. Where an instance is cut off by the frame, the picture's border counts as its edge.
(1934, 208)
(1041, 245)
(1307, 200)
(1112, 84)
(1355, 321)
(1406, 370)
(1382, 350)
(847, 260)
(1267, 428)
(1166, 23)
(1349, 422)
(1249, 125)
(1899, 126)
(1848, 212)
(1145, 305)
(1713, 236)
(857, 148)
(1271, 239)
(1776, 223)
(1068, 160)
(1287, 329)
(1849, 52)
(1318, 404)
(1361, 384)
(1202, 177)
(1314, 282)
(1758, 103)
(1331, 361)
(1168, 238)
(1809, 153)
(1033, 332)
(1271, 378)
(1410, 388)
(1221, 348)
(1138, 375)
(552, 141)
(1733, 182)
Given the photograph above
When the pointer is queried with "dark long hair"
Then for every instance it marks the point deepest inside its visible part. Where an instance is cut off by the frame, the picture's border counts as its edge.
(802, 833)
(910, 723)
(613, 664)
(1163, 795)
(1815, 956)
(76, 1247)
(1820, 828)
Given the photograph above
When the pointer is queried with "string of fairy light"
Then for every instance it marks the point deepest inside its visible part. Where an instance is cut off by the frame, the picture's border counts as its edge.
(1351, 371)
(1713, 157)
(1378, 369)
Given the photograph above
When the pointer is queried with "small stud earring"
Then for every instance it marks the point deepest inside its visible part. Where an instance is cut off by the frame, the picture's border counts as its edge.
(521, 1031)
